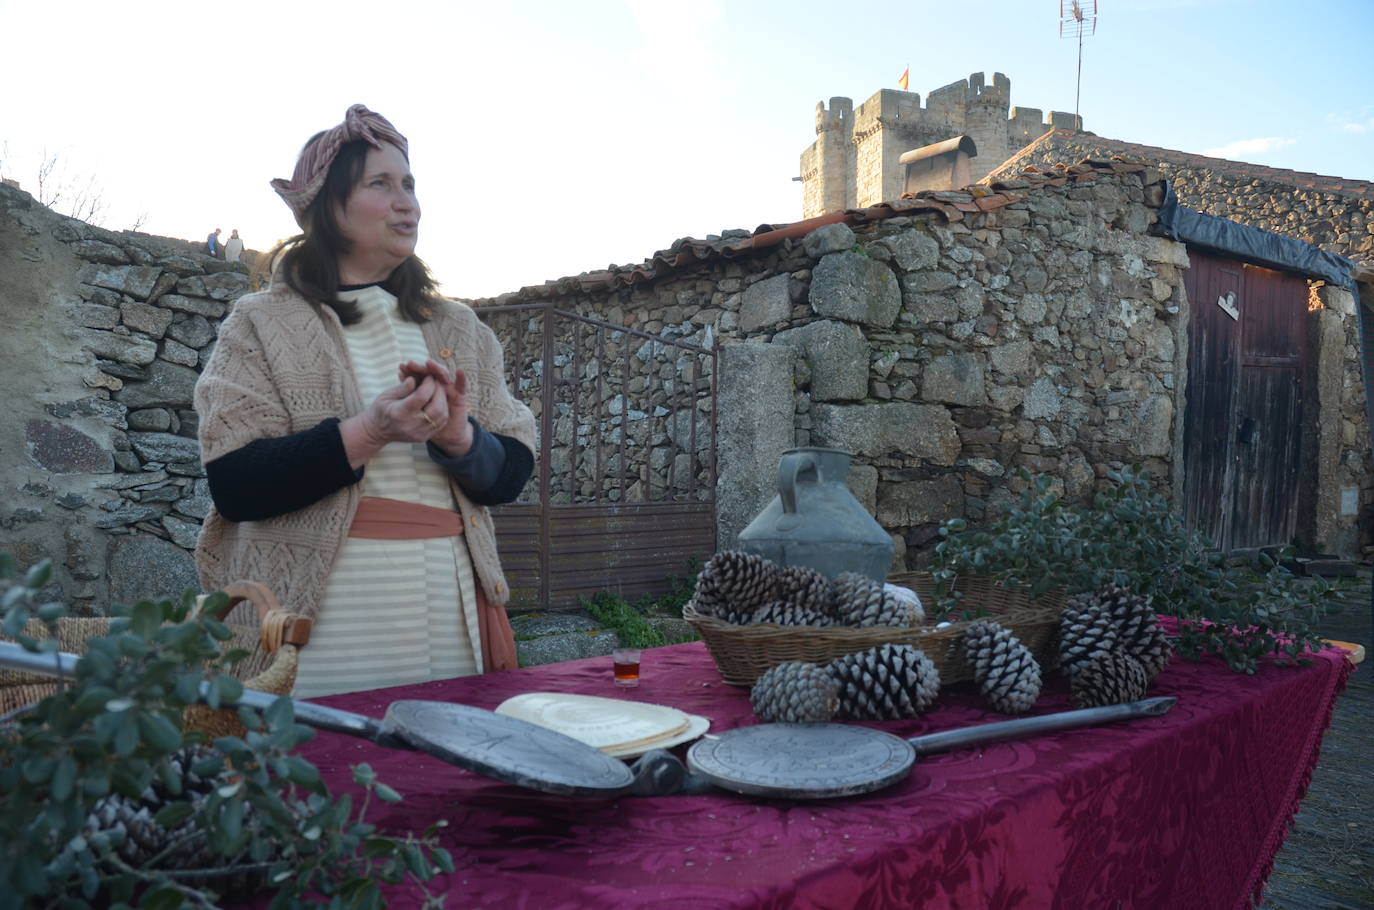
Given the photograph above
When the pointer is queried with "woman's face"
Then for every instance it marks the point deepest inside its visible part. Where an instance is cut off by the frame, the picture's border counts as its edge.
(381, 218)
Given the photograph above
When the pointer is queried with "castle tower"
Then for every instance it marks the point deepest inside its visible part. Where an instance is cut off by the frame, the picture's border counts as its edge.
(854, 160)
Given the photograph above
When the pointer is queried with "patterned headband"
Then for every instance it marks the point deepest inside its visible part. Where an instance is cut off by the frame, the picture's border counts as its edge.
(312, 166)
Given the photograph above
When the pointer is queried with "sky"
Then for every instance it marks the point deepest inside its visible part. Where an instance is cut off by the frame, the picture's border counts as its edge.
(554, 137)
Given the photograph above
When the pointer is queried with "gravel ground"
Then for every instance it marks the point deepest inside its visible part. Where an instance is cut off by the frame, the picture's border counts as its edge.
(1327, 862)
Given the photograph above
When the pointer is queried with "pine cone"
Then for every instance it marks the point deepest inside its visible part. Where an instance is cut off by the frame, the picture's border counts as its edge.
(733, 584)
(1005, 670)
(807, 588)
(1111, 680)
(795, 693)
(886, 682)
(146, 840)
(1137, 631)
(1086, 632)
(862, 602)
(782, 613)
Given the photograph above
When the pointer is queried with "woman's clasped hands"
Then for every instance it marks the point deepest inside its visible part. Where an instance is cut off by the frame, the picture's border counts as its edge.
(428, 404)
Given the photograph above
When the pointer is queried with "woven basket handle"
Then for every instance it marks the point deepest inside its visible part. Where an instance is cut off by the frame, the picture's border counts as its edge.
(278, 626)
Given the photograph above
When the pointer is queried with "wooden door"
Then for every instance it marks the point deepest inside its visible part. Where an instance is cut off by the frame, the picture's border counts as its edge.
(1243, 420)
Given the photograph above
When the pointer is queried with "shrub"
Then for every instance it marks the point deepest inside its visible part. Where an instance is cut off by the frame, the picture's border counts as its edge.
(114, 727)
(1129, 536)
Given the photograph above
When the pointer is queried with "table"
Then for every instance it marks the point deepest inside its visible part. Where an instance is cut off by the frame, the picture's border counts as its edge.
(1181, 811)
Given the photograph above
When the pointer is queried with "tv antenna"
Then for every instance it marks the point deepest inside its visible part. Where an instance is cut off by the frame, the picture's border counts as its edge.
(1076, 19)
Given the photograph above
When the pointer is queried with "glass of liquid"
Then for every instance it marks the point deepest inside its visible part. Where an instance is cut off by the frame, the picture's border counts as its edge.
(626, 664)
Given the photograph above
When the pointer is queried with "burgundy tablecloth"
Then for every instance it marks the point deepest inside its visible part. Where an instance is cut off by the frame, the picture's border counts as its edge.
(1184, 811)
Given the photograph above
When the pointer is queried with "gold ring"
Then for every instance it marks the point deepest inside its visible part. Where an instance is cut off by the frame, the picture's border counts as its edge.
(429, 420)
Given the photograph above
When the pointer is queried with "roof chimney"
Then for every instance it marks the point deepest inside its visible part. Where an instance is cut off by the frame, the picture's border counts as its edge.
(941, 166)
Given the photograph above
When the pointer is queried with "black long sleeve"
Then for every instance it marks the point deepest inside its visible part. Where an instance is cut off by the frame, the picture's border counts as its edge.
(270, 477)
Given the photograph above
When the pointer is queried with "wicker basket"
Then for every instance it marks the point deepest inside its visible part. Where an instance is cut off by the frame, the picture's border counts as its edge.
(270, 666)
(744, 653)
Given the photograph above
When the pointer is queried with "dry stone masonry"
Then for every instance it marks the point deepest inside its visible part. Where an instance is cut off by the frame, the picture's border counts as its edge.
(101, 463)
(946, 340)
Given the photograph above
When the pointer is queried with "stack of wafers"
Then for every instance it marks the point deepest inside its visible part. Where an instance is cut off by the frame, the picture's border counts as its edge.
(624, 729)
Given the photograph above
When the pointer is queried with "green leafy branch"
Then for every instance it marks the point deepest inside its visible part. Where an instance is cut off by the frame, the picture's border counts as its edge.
(1128, 535)
(114, 732)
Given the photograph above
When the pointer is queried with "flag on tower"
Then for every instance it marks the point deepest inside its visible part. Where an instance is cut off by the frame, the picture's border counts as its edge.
(903, 81)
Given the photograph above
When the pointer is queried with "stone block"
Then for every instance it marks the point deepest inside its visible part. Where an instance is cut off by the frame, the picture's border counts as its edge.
(135, 280)
(196, 504)
(193, 331)
(919, 502)
(911, 250)
(863, 483)
(164, 447)
(181, 265)
(1043, 400)
(93, 316)
(145, 318)
(63, 449)
(176, 352)
(198, 306)
(929, 282)
(837, 355)
(122, 348)
(183, 533)
(1012, 358)
(1155, 435)
(765, 303)
(167, 385)
(225, 285)
(150, 420)
(831, 238)
(99, 251)
(141, 567)
(920, 430)
(927, 308)
(954, 379)
(855, 288)
(1030, 310)
(756, 411)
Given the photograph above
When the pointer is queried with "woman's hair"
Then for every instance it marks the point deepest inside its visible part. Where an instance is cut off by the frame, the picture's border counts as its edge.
(309, 261)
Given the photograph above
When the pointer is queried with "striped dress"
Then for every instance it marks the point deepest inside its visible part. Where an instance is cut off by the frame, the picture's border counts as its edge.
(395, 612)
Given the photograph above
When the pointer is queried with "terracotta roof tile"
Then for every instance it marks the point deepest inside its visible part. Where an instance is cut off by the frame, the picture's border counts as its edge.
(951, 205)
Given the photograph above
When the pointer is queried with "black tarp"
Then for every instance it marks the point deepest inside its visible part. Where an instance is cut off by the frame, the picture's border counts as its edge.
(1240, 241)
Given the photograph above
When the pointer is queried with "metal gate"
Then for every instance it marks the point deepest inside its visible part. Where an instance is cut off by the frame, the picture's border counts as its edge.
(625, 473)
(1247, 365)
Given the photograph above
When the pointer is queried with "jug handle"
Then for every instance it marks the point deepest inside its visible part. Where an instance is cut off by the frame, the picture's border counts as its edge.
(792, 464)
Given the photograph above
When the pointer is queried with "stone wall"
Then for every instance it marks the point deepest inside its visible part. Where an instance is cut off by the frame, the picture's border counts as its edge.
(1040, 325)
(947, 340)
(1329, 212)
(630, 410)
(98, 454)
(853, 162)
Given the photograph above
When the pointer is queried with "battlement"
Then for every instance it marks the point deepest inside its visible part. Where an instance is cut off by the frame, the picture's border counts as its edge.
(892, 122)
(839, 117)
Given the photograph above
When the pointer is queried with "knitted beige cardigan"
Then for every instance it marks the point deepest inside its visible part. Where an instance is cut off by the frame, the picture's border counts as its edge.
(281, 366)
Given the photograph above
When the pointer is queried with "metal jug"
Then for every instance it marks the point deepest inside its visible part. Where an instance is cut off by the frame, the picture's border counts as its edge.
(815, 521)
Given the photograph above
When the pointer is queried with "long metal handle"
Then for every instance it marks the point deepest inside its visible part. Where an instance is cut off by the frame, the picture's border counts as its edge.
(950, 740)
(59, 663)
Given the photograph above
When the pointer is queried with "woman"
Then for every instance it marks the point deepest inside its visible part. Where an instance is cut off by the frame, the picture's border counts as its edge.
(354, 427)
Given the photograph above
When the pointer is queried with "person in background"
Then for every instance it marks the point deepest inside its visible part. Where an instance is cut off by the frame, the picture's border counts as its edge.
(233, 247)
(212, 245)
(354, 427)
